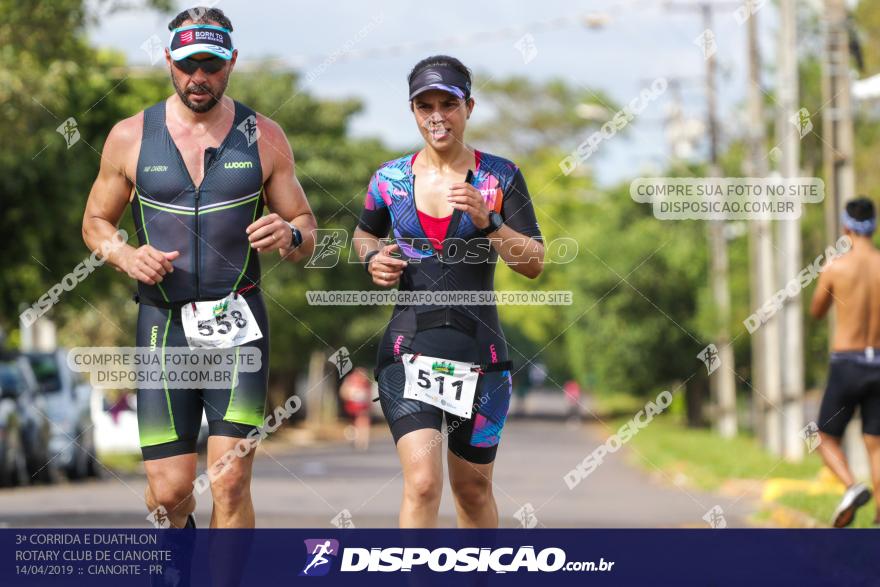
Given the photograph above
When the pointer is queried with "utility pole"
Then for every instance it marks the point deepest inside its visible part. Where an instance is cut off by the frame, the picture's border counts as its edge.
(721, 382)
(790, 239)
(837, 126)
(765, 341)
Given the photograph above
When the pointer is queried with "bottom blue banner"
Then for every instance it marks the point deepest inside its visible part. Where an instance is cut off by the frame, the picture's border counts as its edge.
(435, 557)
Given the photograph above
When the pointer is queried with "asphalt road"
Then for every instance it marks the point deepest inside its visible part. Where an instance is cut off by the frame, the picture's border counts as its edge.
(308, 486)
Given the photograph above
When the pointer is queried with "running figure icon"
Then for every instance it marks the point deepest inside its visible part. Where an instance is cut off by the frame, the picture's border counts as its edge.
(319, 554)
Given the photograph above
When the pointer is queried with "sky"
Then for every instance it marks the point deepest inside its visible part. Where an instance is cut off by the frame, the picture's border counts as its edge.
(640, 41)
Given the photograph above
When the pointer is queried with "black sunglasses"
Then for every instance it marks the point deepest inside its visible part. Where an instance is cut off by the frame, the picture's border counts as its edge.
(210, 65)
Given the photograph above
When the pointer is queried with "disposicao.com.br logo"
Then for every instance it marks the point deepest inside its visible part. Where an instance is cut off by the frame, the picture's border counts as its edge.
(441, 560)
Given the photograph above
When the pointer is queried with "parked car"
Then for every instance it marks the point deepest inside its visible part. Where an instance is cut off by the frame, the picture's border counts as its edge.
(13, 466)
(67, 397)
(30, 420)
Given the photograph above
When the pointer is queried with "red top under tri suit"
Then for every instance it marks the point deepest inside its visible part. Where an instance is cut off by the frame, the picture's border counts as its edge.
(435, 228)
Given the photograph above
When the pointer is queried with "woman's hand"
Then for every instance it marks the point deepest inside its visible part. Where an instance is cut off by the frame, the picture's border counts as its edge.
(467, 198)
(385, 269)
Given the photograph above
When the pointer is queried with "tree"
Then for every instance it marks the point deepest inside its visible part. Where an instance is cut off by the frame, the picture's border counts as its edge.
(49, 74)
(636, 282)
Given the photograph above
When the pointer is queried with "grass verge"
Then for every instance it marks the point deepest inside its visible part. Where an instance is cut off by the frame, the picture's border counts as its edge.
(122, 462)
(708, 461)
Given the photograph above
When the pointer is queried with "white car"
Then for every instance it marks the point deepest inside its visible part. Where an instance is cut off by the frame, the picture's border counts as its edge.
(67, 397)
(25, 428)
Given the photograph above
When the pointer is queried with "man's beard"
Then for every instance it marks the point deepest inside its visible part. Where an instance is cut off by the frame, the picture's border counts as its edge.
(204, 88)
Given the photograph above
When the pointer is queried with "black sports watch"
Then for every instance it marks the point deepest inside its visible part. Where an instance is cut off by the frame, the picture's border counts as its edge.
(296, 237)
(495, 222)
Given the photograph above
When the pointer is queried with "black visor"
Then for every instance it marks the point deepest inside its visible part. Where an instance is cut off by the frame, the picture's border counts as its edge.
(440, 77)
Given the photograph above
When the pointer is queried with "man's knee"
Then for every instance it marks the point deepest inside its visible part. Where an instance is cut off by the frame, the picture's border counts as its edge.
(171, 481)
(170, 495)
(231, 487)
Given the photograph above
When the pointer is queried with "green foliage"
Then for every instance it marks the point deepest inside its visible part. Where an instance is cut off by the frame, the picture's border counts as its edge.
(635, 281)
(48, 74)
(529, 116)
(867, 19)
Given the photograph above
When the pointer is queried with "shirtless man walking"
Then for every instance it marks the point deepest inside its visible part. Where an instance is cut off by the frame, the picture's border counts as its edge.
(852, 282)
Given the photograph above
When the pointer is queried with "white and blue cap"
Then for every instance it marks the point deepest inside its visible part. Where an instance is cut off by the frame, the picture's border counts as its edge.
(200, 38)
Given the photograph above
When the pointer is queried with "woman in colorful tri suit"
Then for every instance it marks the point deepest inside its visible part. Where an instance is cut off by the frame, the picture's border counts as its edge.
(452, 211)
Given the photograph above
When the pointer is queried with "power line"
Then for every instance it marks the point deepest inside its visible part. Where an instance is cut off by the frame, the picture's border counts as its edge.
(591, 20)
(595, 20)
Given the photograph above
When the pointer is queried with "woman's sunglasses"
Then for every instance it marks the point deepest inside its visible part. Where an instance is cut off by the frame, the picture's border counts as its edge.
(210, 65)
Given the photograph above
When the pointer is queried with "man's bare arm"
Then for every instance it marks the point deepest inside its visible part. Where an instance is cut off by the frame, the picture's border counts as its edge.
(106, 204)
(823, 296)
(285, 197)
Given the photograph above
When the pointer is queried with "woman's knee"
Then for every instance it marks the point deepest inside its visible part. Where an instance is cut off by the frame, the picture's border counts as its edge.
(472, 491)
(423, 486)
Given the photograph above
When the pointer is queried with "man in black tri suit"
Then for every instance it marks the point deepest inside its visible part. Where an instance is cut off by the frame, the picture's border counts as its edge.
(197, 170)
